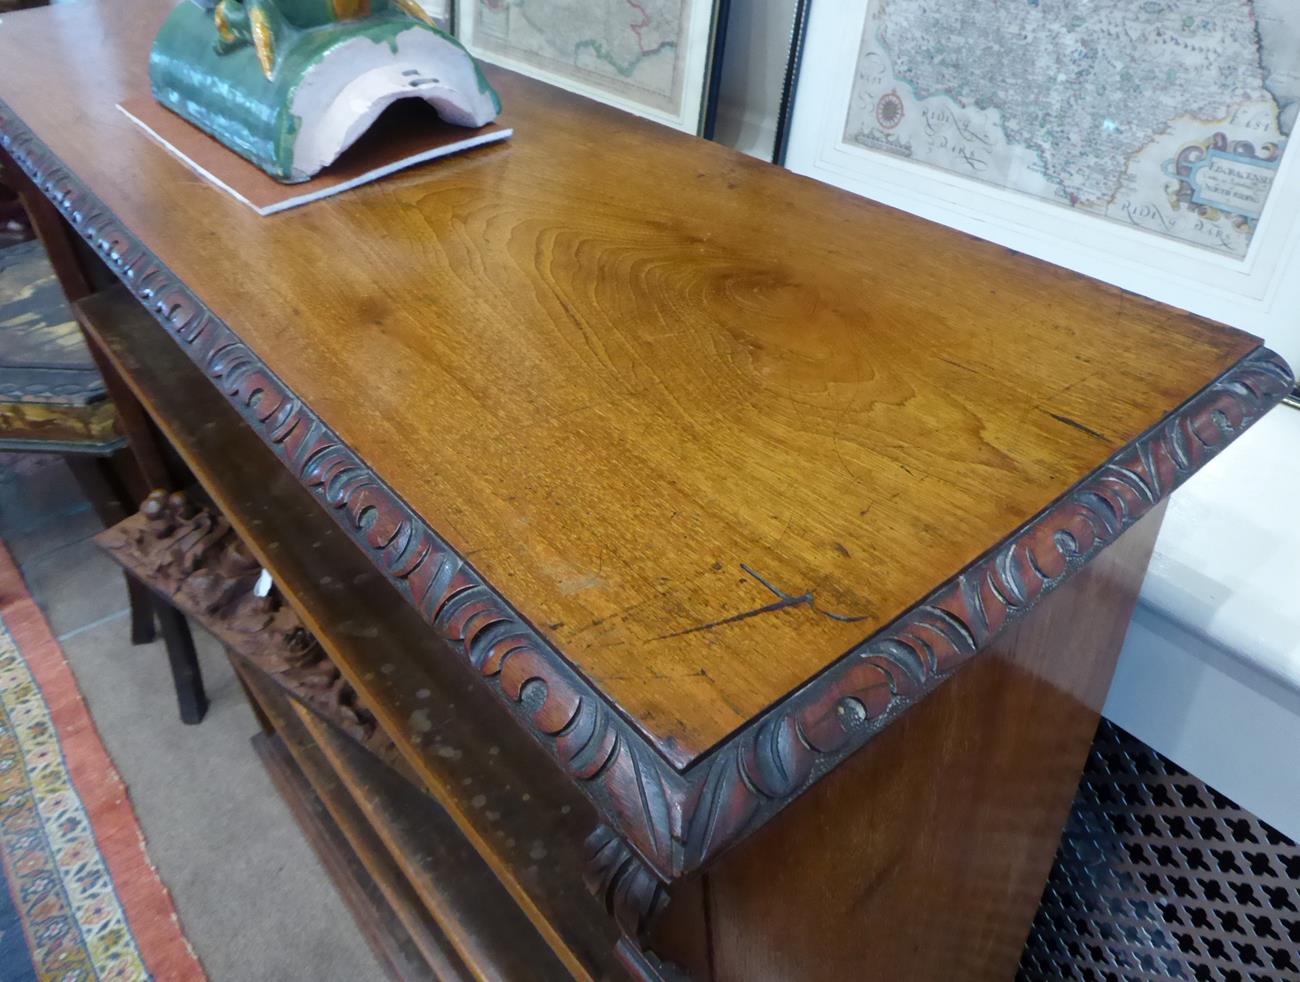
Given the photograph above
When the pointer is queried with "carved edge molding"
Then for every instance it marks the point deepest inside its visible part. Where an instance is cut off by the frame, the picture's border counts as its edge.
(626, 778)
(646, 966)
(635, 897)
(675, 822)
(767, 765)
(629, 890)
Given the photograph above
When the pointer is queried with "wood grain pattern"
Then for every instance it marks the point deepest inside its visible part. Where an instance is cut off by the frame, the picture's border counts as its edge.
(678, 823)
(616, 368)
(771, 761)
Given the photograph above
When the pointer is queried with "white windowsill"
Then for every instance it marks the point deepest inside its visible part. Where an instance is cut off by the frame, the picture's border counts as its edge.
(1227, 564)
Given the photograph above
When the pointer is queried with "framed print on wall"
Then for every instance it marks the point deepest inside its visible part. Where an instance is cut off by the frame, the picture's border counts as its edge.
(655, 58)
(1142, 142)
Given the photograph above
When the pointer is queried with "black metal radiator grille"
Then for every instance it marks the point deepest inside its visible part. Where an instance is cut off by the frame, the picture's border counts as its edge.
(1160, 877)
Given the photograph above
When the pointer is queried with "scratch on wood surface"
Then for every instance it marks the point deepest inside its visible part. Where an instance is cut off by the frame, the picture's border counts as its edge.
(784, 601)
(1077, 425)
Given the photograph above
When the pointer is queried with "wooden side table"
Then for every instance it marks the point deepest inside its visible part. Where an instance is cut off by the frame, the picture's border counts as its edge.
(737, 564)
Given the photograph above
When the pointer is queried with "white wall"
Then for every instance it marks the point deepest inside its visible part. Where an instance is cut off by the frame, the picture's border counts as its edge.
(1212, 713)
(753, 72)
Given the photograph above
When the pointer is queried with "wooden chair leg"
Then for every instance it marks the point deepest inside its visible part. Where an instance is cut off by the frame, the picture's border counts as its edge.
(104, 487)
(97, 486)
(143, 625)
(184, 661)
(103, 484)
(122, 476)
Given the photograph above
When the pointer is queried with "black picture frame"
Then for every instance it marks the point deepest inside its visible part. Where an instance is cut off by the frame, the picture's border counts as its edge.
(794, 62)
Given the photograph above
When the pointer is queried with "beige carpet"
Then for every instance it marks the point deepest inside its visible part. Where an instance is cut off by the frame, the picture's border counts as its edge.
(251, 896)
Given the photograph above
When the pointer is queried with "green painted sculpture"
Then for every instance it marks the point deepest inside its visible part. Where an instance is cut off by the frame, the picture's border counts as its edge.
(291, 84)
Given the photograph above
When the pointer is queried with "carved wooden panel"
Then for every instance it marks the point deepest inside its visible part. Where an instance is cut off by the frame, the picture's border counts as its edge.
(191, 555)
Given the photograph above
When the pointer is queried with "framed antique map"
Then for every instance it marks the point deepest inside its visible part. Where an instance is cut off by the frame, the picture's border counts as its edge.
(1144, 142)
(655, 58)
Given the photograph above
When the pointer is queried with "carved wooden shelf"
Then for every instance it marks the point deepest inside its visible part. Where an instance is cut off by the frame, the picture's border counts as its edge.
(188, 554)
(505, 797)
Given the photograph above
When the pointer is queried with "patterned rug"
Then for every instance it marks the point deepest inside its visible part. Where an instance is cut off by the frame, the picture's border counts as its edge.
(79, 898)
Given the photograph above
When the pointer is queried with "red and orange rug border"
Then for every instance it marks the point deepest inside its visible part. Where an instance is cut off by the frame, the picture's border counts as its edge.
(145, 900)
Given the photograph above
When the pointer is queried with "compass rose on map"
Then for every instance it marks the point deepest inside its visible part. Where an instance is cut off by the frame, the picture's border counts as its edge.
(889, 110)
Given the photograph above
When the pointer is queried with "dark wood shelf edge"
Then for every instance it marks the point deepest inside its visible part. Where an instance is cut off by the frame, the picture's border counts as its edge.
(375, 917)
(492, 937)
(422, 930)
(419, 854)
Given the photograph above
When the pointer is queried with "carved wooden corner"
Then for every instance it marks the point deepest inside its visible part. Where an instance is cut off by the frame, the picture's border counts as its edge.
(646, 966)
(629, 890)
(635, 897)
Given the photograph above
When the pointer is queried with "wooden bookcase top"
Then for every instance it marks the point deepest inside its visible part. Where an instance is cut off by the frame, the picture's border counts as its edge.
(699, 425)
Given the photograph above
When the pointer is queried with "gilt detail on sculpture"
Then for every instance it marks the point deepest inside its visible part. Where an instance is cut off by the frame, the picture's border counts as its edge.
(291, 84)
